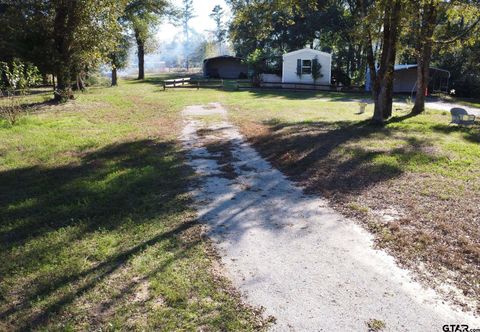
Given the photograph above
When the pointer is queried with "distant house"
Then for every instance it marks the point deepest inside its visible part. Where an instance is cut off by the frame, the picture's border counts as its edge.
(297, 67)
(405, 79)
(225, 66)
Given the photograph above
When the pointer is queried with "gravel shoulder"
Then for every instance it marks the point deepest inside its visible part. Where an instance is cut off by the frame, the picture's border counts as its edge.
(308, 266)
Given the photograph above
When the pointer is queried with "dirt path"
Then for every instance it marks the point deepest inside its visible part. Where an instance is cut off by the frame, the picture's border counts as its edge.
(311, 268)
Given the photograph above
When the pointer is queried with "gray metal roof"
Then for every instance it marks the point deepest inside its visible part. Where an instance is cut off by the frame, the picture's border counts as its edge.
(223, 57)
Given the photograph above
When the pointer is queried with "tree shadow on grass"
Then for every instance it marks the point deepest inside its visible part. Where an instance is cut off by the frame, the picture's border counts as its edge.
(338, 157)
(85, 281)
(44, 212)
(471, 134)
(106, 184)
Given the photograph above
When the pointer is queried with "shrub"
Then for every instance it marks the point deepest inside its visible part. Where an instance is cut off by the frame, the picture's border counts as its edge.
(97, 79)
(10, 107)
(17, 78)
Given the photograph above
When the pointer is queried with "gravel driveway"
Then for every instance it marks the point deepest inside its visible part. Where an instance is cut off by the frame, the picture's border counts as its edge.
(445, 106)
(308, 266)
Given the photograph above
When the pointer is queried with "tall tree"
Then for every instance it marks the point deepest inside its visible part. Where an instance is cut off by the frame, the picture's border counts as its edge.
(427, 12)
(67, 37)
(459, 20)
(187, 14)
(83, 33)
(220, 31)
(383, 16)
(143, 16)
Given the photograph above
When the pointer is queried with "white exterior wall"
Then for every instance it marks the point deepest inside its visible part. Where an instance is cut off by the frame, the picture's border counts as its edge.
(289, 67)
(270, 78)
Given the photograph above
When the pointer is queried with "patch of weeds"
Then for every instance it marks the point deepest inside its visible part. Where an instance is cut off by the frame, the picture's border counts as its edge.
(203, 132)
(375, 325)
(422, 241)
(358, 208)
(386, 235)
(11, 108)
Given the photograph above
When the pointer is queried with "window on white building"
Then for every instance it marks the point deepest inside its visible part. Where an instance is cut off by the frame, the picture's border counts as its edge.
(306, 66)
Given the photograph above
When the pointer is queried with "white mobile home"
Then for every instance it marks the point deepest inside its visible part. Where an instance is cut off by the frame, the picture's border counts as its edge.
(297, 67)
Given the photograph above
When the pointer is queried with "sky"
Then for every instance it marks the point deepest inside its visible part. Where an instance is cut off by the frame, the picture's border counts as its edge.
(201, 23)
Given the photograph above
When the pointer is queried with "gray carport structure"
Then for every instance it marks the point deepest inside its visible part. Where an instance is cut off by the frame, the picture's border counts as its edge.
(225, 66)
(405, 79)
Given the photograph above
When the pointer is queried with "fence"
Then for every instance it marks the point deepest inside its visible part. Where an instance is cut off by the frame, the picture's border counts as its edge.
(189, 83)
(311, 87)
(176, 82)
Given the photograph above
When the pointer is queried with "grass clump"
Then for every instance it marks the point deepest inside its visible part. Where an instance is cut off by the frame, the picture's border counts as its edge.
(375, 325)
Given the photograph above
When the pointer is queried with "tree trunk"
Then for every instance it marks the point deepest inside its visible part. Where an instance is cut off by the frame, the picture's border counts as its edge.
(424, 55)
(389, 76)
(379, 105)
(141, 55)
(141, 61)
(383, 85)
(114, 76)
(80, 82)
(64, 87)
(374, 80)
(62, 42)
(388, 111)
(422, 84)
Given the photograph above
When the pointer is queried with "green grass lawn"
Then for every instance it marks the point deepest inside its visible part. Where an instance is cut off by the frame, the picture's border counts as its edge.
(97, 227)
